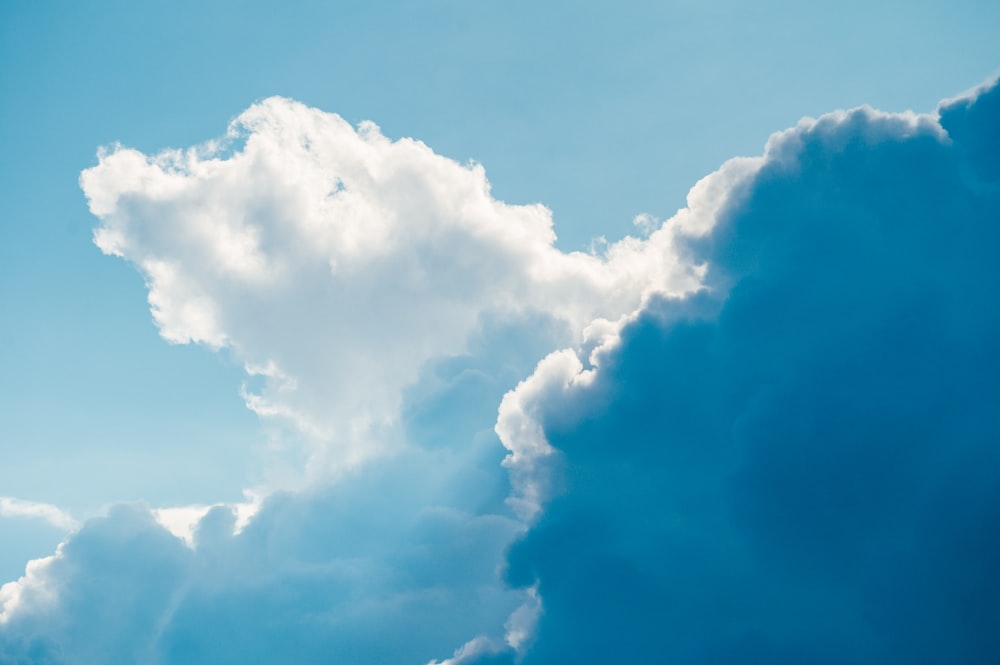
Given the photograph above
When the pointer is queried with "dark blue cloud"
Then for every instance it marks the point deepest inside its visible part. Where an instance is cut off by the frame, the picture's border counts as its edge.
(802, 464)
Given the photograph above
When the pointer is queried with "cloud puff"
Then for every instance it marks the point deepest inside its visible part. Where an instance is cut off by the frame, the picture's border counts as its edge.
(800, 463)
(336, 263)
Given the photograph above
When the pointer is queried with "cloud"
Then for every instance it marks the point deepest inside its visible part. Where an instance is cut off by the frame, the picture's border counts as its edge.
(769, 434)
(799, 463)
(408, 547)
(382, 303)
(387, 566)
(52, 515)
(336, 263)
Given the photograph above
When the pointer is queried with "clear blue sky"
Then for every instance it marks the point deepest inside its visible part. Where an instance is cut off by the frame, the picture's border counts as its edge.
(599, 110)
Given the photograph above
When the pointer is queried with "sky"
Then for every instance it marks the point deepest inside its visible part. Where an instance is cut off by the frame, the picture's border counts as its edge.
(518, 332)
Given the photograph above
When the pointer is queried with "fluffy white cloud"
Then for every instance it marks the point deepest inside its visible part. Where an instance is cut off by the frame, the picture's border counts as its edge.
(335, 263)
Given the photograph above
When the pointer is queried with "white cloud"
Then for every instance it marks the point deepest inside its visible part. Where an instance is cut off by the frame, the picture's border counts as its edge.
(335, 263)
(33, 588)
(183, 521)
(470, 652)
(521, 431)
(13, 507)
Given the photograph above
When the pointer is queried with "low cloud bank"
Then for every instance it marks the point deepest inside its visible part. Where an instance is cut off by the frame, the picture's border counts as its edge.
(395, 565)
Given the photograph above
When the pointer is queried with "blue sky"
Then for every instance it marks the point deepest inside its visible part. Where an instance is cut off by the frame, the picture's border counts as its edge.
(601, 112)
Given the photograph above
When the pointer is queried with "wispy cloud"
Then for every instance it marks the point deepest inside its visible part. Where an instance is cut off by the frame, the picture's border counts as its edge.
(13, 507)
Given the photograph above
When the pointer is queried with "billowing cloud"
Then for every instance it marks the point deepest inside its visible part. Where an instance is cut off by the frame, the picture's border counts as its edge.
(396, 565)
(336, 263)
(382, 303)
(800, 464)
(770, 434)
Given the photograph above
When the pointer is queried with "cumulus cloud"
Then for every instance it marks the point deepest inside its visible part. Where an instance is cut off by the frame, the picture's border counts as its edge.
(389, 566)
(800, 463)
(394, 563)
(769, 435)
(382, 302)
(336, 263)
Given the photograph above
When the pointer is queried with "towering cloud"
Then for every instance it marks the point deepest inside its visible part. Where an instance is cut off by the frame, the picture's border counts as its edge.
(802, 463)
(770, 434)
(336, 264)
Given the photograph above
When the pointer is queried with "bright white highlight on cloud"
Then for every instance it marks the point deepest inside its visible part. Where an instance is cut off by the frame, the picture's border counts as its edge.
(335, 263)
(33, 588)
(183, 521)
